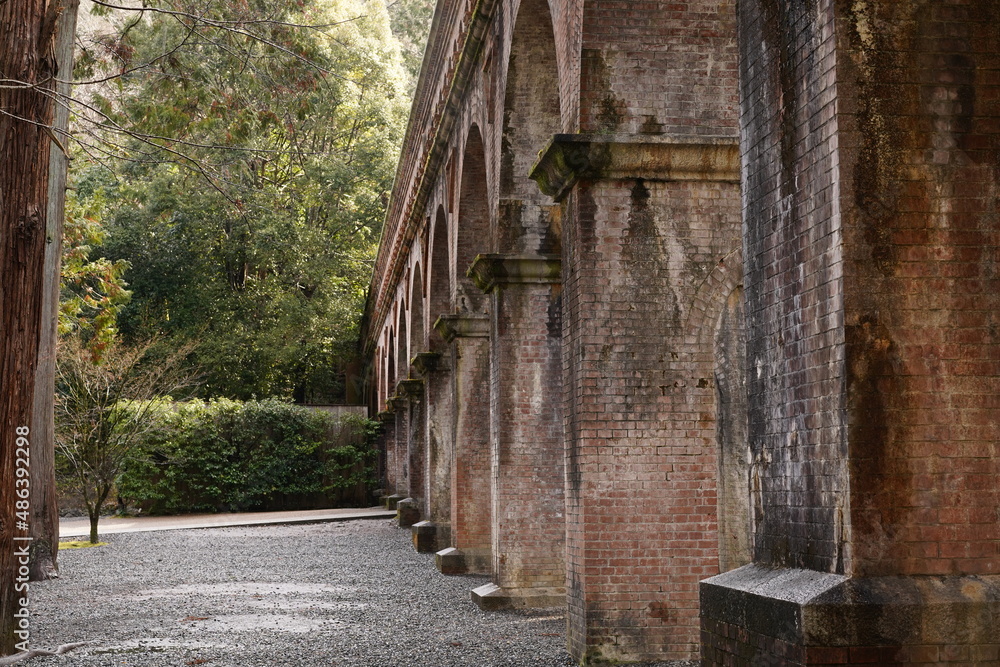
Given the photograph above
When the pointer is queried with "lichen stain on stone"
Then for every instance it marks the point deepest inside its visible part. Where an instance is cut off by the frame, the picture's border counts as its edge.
(608, 111)
(550, 224)
(879, 478)
(553, 323)
(586, 218)
(651, 126)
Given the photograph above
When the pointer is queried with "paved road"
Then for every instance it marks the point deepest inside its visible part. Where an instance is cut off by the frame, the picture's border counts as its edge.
(75, 527)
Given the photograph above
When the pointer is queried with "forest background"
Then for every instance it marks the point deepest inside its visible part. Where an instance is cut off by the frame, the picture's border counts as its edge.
(229, 163)
(231, 167)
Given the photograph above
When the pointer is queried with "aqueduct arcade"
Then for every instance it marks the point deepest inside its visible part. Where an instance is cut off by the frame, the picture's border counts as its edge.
(685, 318)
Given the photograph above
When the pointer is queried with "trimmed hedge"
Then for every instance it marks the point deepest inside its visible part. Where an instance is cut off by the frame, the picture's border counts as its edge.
(260, 455)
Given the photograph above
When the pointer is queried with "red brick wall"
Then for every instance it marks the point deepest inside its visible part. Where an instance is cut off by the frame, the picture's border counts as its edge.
(648, 267)
(528, 533)
(919, 98)
(471, 505)
(871, 283)
(473, 227)
(794, 283)
(665, 67)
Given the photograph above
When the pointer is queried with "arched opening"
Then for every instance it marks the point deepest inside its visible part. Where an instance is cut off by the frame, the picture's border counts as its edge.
(473, 223)
(731, 435)
(528, 221)
(390, 376)
(439, 302)
(417, 335)
(402, 349)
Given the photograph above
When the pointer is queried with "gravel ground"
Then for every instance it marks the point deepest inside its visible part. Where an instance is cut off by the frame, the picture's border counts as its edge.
(346, 594)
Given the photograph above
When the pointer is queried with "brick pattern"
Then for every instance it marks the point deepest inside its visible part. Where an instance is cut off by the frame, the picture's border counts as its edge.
(530, 118)
(416, 447)
(920, 139)
(648, 267)
(663, 67)
(473, 225)
(528, 531)
(470, 502)
(794, 285)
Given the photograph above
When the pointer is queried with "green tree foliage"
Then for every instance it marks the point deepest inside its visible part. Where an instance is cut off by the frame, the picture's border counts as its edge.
(411, 23)
(258, 455)
(92, 290)
(249, 189)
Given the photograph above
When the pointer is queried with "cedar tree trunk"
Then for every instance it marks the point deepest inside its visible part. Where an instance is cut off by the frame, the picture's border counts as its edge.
(44, 503)
(26, 31)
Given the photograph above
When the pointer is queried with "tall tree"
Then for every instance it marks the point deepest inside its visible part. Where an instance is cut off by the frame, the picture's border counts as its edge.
(45, 504)
(253, 227)
(27, 71)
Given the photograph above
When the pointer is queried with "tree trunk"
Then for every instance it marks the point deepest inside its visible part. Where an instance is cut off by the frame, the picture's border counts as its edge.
(26, 55)
(95, 517)
(45, 504)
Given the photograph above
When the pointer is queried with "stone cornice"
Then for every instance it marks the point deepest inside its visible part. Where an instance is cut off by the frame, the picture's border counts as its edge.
(491, 271)
(568, 158)
(465, 325)
(426, 362)
(448, 68)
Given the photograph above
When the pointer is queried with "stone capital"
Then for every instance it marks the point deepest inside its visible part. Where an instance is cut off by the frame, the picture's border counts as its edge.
(410, 388)
(569, 158)
(394, 403)
(426, 362)
(465, 325)
(491, 271)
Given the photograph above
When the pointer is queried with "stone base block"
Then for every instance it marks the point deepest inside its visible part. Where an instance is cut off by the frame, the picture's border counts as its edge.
(407, 512)
(491, 597)
(454, 561)
(391, 501)
(762, 616)
(424, 537)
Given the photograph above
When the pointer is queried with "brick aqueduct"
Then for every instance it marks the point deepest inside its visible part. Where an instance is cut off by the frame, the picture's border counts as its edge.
(687, 318)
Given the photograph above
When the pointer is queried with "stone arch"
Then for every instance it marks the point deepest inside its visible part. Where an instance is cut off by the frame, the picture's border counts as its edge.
(402, 345)
(417, 331)
(526, 221)
(390, 374)
(473, 223)
(439, 292)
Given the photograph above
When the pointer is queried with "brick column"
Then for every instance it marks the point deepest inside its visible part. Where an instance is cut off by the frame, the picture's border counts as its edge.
(437, 437)
(525, 430)
(387, 456)
(871, 135)
(468, 551)
(395, 454)
(651, 258)
(412, 391)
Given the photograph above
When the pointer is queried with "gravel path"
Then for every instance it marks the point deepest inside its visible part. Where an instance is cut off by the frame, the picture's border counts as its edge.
(347, 594)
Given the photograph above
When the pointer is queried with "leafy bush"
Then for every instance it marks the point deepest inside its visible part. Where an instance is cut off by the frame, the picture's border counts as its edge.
(226, 455)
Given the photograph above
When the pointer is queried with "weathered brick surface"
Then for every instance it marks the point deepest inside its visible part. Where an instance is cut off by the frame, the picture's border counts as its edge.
(471, 506)
(920, 171)
(658, 68)
(794, 285)
(870, 151)
(870, 179)
(528, 532)
(649, 267)
(871, 284)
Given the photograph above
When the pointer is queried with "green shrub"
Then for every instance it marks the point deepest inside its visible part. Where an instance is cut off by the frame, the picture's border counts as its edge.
(260, 455)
